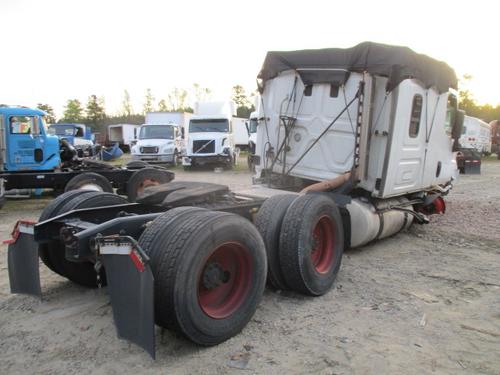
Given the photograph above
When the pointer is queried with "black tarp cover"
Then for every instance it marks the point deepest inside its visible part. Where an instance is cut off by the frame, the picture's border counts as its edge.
(332, 65)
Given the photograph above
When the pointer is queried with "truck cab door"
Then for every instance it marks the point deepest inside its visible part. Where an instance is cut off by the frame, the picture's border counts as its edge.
(406, 148)
(24, 142)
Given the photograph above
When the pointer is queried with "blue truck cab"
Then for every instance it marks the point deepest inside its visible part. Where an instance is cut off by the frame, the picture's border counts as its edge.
(78, 135)
(24, 141)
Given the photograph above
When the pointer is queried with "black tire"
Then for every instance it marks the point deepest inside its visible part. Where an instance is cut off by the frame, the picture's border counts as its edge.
(143, 178)
(52, 210)
(155, 228)
(181, 252)
(87, 180)
(268, 221)
(137, 164)
(82, 273)
(311, 244)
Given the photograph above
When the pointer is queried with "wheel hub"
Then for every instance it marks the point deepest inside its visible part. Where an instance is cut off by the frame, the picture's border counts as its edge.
(214, 276)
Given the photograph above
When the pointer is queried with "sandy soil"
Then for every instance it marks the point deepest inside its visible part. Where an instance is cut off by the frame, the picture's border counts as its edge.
(424, 301)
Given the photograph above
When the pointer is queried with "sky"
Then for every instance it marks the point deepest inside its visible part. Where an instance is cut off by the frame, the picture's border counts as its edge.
(60, 50)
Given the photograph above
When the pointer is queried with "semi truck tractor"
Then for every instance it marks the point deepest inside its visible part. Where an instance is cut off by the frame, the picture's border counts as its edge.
(352, 148)
(210, 138)
(31, 158)
(80, 136)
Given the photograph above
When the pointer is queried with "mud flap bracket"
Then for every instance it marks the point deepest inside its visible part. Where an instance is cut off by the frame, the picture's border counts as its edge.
(130, 287)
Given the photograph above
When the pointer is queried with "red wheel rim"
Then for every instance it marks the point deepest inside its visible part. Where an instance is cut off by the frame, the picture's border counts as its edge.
(225, 280)
(322, 254)
(146, 183)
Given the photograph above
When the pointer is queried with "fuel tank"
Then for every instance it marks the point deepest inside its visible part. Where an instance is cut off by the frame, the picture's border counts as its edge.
(376, 220)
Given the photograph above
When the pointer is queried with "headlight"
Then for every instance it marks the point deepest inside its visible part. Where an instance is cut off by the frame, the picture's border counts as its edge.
(168, 149)
(133, 150)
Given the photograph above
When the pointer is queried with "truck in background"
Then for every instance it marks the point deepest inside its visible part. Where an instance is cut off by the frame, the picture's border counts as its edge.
(476, 134)
(80, 136)
(163, 144)
(251, 124)
(31, 158)
(123, 134)
(158, 143)
(495, 137)
(210, 137)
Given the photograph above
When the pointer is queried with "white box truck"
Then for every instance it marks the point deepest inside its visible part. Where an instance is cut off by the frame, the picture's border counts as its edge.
(210, 137)
(240, 132)
(123, 134)
(161, 138)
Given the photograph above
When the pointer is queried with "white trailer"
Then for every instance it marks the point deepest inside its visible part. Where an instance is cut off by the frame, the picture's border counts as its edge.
(124, 134)
(476, 134)
(240, 132)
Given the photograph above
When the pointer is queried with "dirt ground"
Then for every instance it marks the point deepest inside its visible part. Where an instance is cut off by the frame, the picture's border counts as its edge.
(424, 301)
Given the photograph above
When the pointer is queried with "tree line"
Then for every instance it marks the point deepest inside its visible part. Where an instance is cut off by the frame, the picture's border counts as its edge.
(93, 112)
(469, 104)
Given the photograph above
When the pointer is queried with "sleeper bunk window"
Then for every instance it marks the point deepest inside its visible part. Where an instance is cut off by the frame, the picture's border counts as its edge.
(416, 114)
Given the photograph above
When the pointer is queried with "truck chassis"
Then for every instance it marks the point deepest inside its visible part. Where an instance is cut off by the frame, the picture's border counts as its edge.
(187, 256)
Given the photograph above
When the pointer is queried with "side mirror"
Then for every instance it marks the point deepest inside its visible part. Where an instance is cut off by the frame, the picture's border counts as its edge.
(248, 129)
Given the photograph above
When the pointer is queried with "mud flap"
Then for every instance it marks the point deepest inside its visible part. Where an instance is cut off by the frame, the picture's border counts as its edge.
(130, 287)
(472, 167)
(22, 260)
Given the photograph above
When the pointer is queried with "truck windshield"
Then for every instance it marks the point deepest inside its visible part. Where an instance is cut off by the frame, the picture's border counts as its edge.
(157, 132)
(202, 126)
(252, 125)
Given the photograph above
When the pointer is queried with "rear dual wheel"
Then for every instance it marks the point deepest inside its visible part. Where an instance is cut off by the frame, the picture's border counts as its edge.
(311, 244)
(209, 269)
(304, 241)
(53, 255)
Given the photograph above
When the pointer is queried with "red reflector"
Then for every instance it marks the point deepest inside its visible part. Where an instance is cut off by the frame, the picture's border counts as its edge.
(475, 161)
(16, 232)
(137, 261)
